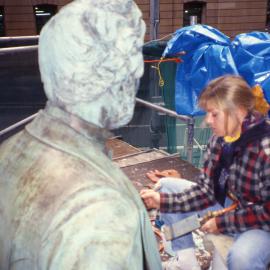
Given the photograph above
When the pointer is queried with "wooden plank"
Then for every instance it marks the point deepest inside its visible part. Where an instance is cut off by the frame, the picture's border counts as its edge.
(120, 148)
(137, 172)
(139, 157)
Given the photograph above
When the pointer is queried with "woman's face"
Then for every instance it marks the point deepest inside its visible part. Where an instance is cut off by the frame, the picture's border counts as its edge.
(220, 124)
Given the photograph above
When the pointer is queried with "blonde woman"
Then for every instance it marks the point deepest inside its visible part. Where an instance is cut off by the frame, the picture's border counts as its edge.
(237, 160)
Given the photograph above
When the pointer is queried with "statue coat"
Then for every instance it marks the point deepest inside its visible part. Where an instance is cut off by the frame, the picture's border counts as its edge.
(64, 205)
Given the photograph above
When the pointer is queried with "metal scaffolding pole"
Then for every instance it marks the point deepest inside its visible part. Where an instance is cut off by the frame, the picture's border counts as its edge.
(187, 119)
(163, 110)
(154, 4)
(12, 50)
(154, 19)
(19, 38)
(18, 124)
(17, 42)
(155, 123)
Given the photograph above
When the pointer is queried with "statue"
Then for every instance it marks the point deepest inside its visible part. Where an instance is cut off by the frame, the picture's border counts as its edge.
(63, 204)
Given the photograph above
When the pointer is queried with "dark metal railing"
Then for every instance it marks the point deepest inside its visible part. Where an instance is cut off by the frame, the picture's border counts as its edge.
(10, 50)
(188, 120)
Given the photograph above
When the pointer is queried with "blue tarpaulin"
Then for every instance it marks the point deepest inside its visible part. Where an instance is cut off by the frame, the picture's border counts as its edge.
(210, 54)
(251, 53)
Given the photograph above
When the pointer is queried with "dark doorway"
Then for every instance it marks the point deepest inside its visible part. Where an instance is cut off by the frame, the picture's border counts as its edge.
(2, 22)
(267, 27)
(193, 9)
(43, 13)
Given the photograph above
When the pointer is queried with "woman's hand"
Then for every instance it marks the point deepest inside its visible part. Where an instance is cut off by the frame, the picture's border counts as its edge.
(210, 226)
(155, 175)
(150, 198)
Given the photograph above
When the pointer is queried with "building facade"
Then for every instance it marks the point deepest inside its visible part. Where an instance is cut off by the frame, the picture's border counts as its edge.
(26, 17)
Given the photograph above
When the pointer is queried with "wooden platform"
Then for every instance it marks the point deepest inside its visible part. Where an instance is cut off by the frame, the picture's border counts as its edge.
(135, 163)
(119, 149)
(137, 172)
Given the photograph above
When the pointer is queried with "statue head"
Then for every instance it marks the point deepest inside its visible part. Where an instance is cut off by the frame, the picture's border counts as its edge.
(90, 60)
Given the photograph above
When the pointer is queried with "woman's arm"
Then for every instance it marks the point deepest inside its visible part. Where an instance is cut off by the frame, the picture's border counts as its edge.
(199, 196)
(253, 188)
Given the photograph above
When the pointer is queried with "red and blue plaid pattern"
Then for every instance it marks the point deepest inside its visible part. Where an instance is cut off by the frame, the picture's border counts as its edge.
(248, 180)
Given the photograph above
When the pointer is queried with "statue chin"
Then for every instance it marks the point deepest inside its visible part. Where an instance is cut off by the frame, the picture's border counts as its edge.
(120, 121)
(109, 113)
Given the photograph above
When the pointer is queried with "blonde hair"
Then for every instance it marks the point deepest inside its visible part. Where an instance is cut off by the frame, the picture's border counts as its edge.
(228, 93)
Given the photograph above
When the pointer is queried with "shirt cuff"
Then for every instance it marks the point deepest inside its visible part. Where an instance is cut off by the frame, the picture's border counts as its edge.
(165, 199)
(220, 222)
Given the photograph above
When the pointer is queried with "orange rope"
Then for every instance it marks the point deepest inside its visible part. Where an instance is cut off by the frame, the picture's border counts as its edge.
(176, 60)
(159, 61)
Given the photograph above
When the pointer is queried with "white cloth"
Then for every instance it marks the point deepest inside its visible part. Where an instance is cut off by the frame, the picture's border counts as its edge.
(184, 259)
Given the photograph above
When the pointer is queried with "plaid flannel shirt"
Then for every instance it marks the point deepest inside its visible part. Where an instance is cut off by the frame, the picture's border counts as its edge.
(248, 180)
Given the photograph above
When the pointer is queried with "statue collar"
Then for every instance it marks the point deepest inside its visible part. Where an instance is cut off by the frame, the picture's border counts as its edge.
(62, 130)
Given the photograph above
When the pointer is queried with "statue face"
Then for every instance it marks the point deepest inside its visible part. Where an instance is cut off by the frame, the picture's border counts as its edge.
(122, 105)
(94, 62)
(113, 108)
